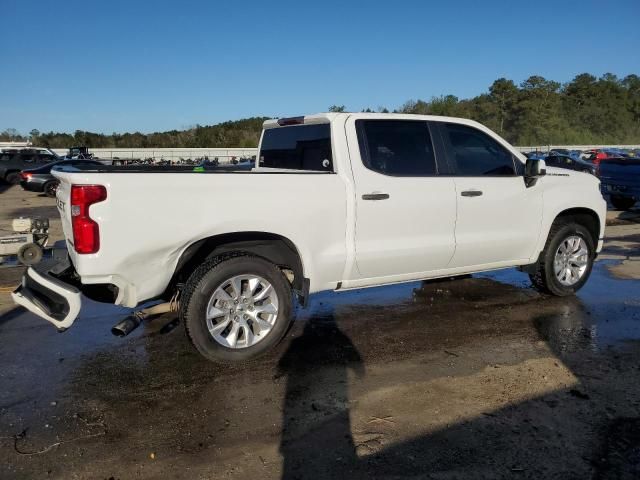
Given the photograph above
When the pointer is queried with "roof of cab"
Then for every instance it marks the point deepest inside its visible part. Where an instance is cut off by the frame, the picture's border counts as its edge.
(301, 120)
(328, 117)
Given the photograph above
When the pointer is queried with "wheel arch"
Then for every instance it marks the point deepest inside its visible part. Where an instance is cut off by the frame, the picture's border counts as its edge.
(586, 217)
(275, 248)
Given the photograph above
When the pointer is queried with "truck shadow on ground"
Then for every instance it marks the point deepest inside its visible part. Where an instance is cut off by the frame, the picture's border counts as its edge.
(316, 407)
(587, 430)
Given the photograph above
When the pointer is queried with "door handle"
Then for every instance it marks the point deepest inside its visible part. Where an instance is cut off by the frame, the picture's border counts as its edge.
(471, 193)
(375, 196)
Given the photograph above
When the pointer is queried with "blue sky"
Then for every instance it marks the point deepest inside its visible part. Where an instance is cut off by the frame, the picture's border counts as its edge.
(116, 66)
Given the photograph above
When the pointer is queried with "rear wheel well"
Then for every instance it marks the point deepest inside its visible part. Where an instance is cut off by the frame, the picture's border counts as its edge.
(582, 216)
(275, 248)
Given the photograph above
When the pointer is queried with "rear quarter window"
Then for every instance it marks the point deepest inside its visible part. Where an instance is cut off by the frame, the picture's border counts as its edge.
(297, 147)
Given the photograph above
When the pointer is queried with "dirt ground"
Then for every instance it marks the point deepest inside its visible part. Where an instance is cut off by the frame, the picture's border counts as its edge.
(480, 377)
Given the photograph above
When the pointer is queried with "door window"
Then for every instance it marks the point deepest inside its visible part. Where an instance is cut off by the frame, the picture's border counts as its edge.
(396, 147)
(476, 154)
(551, 160)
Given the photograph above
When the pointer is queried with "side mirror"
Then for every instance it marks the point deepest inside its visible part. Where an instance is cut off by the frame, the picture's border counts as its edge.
(534, 169)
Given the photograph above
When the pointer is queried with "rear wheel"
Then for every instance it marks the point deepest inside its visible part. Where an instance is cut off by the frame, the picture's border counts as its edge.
(622, 203)
(236, 307)
(13, 178)
(567, 260)
(50, 188)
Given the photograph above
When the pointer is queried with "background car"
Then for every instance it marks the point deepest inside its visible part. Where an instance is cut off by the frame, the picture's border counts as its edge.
(11, 163)
(534, 155)
(620, 180)
(594, 156)
(41, 180)
(565, 161)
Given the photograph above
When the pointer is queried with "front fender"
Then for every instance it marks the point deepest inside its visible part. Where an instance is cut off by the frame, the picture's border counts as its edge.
(565, 191)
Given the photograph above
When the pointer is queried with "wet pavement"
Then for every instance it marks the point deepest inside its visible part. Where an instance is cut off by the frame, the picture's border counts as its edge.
(480, 377)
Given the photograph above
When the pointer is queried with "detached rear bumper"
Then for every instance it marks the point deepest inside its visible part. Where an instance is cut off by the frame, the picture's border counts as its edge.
(47, 296)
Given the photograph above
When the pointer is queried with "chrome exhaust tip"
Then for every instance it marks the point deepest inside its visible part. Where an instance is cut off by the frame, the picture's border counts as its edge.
(126, 326)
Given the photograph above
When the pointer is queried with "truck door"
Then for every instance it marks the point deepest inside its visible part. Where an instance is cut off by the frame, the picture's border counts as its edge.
(405, 211)
(498, 216)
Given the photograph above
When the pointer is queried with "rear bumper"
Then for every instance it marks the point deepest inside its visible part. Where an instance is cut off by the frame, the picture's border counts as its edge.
(31, 187)
(620, 190)
(47, 296)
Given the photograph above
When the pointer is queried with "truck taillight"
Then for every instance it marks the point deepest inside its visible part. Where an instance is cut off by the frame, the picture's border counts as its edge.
(86, 232)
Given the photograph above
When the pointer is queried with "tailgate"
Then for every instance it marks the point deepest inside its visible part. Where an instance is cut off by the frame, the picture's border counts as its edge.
(621, 172)
(63, 197)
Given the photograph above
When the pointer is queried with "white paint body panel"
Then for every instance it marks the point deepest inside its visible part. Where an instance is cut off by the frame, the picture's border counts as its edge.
(425, 230)
(411, 232)
(501, 225)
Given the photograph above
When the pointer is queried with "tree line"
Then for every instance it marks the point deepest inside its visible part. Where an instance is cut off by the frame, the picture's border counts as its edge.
(586, 110)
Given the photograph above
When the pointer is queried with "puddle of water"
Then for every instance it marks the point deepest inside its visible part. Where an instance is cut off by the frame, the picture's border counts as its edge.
(606, 313)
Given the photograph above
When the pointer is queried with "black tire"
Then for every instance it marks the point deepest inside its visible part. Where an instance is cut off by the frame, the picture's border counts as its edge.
(30, 254)
(544, 279)
(12, 178)
(201, 285)
(50, 188)
(622, 203)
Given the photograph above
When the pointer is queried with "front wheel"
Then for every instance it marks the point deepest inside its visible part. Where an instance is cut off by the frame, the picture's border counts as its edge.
(622, 203)
(236, 307)
(567, 260)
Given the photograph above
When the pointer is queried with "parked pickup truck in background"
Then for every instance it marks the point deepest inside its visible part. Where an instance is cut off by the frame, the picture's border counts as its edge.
(620, 179)
(336, 201)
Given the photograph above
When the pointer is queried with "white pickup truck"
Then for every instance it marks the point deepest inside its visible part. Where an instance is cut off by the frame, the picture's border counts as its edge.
(336, 201)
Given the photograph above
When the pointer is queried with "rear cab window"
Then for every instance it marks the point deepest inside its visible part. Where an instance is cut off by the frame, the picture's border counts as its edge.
(297, 147)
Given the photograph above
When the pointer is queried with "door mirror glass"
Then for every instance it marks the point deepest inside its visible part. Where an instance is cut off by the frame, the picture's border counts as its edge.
(535, 168)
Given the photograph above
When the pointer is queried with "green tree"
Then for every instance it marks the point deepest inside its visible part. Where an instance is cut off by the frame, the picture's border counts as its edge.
(538, 120)
(504, 94)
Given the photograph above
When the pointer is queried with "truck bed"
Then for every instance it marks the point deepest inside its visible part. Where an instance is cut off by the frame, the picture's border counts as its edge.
(152, 215)
(241, 168)
(248, 168)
